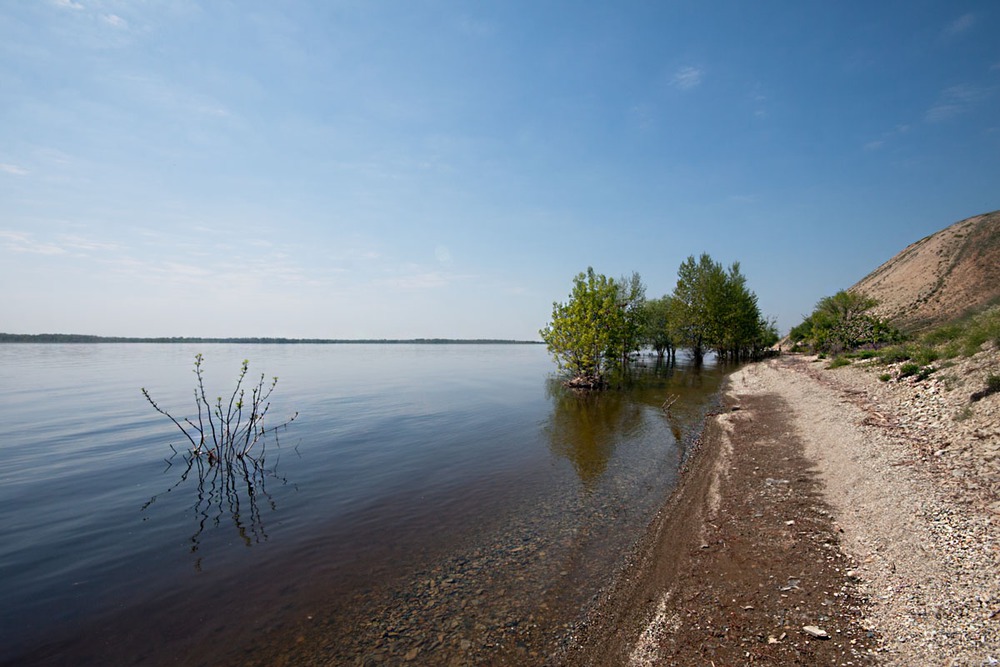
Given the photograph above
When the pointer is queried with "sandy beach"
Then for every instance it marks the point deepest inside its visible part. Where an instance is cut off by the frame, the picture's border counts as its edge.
(828, 518)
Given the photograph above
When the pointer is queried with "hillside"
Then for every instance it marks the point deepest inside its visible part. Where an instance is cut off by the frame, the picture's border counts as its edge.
(940, 277)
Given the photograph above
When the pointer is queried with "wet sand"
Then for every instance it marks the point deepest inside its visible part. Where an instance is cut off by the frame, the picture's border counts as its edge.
(822, 502)
(745, 555)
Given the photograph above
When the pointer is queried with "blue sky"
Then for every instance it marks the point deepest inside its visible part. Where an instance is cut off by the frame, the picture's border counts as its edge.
(444, 169)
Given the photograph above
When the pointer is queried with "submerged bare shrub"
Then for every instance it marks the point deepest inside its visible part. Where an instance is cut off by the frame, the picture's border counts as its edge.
(224, 434)
(228, 456)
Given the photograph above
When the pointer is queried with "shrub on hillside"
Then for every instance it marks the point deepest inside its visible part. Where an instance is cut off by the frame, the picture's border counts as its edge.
(839, 362)
(895, 354)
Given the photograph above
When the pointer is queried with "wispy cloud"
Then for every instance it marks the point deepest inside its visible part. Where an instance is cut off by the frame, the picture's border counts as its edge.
(115, 21)
(172, 97)
(13, 169)
(415, 276)
(26, 243)
(60, 244)
(67, 4)
(758, 101)
(687, 77)
(442, 254)
(953, 101)
(886, 137)
(642, 116)
(419, 279)
(960, 25)
(73, 242)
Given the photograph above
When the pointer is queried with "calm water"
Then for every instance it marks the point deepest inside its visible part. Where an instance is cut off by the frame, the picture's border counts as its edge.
(417, 482)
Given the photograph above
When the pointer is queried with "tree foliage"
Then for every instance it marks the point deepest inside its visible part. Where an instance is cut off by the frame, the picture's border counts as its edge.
(712, 309)
(844, 322)
(604, 321)
(586, 332)
(656, 326)
(632, 305)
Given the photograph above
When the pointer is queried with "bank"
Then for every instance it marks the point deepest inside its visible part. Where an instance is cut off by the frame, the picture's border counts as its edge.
(810, 528)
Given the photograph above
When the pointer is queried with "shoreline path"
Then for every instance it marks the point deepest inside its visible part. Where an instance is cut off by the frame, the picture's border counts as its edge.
(812, 527)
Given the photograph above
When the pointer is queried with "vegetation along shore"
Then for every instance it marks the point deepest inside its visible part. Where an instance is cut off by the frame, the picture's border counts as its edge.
(843, 506)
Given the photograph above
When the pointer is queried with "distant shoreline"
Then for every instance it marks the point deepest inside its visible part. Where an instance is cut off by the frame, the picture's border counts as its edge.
(81, 338)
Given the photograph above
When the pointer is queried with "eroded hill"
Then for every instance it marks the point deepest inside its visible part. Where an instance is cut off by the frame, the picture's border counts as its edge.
(940, 277)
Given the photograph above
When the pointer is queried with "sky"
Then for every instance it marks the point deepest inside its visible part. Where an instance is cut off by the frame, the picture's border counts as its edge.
(406, 169)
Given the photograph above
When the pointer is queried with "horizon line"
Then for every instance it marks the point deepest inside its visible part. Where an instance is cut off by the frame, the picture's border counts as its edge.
(251, 340)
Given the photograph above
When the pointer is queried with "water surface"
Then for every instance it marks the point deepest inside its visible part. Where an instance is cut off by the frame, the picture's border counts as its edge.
(455, 492)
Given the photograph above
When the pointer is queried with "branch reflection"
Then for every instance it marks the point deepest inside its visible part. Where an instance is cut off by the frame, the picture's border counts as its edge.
(229, 491)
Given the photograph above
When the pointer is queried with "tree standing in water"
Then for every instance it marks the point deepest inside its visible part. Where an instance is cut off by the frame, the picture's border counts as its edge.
(585, 333)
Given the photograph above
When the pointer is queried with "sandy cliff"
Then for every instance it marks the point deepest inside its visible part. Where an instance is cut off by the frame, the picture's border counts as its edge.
(940, 277)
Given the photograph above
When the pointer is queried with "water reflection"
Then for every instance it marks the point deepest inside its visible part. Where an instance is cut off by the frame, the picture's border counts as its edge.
(585, 426)
(227, 491)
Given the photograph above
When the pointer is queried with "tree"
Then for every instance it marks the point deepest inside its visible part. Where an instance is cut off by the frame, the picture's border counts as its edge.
(696, 296)
(657, 328)
(604, 320)
(631, 302)
(712, 308)
(844, 322)
(585, 334)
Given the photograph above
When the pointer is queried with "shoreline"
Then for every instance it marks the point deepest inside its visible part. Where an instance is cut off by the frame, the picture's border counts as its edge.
(804, 507)
(813, 498)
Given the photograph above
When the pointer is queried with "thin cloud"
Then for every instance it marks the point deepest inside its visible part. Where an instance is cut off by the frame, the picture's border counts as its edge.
(72, 242)
(67, 4)
(642, 116)
(442, 254)
(952, 102)
(759, 102)
(115, 21)
(687, 78)
(13, 169)
(960, 25)
(878, 144)
(26, 243)
(420, 280)
(172, 97)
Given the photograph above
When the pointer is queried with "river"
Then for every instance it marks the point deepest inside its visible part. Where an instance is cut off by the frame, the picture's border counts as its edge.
(429, 500)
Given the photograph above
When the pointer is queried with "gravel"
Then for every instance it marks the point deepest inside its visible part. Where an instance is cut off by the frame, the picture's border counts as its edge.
(911, 469)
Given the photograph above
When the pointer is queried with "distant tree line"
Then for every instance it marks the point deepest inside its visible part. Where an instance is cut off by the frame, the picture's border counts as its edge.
(605, 320)
(80, 338)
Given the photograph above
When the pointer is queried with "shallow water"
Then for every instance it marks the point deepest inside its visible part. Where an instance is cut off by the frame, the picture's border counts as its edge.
(405, 461)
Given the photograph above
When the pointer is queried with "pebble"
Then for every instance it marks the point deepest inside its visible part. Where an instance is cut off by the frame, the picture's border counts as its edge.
(939, 601)
(817, 632)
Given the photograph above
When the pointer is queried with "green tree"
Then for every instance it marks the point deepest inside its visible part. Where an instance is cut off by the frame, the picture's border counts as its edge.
(584, 334)
(696, 296)
(631, 302)
(740, 330)
(712, 308)
(657, 328)
(844, 322)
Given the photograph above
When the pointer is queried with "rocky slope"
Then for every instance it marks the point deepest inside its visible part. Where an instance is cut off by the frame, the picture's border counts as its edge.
(915, 476)
(940, 277)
